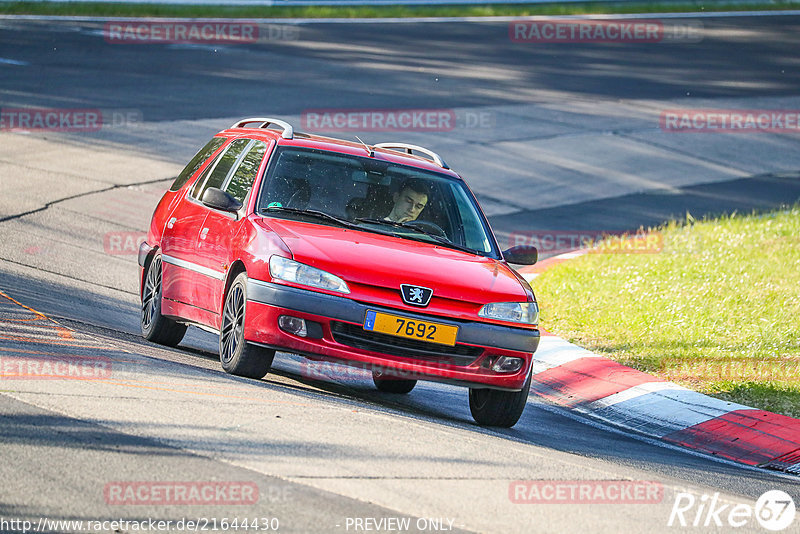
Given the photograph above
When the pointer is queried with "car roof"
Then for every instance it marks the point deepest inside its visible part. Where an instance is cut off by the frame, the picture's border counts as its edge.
(399, 153)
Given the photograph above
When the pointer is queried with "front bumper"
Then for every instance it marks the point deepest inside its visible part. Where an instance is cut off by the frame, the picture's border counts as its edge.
(340, 337)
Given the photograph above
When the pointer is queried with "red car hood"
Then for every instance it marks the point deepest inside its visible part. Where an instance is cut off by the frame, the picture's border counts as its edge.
(384, 261)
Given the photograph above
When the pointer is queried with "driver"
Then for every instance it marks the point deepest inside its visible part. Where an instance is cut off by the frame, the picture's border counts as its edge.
(409, 201)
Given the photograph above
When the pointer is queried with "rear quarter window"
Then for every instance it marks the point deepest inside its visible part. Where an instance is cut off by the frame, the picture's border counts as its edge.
(221, 169)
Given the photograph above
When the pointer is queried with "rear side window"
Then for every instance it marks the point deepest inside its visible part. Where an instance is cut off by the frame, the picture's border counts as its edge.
(196, 162)
(242, 180)
(223, 166)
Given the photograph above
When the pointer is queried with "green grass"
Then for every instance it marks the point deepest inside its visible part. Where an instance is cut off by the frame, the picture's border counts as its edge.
(716, 310)
(164, 10)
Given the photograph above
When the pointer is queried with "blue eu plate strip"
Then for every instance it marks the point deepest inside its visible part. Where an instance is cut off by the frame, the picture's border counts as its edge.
(369, 320)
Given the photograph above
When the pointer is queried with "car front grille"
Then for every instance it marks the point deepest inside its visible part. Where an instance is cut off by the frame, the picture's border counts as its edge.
(355, 336)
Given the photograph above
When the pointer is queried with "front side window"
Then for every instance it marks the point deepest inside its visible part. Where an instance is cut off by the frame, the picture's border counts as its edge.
(242, 180)
(196, 162)
(374, 195)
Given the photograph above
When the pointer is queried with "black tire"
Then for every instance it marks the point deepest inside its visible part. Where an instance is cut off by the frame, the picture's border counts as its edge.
(155, 327)
(389, 383)
(491, 407)
(238, 357)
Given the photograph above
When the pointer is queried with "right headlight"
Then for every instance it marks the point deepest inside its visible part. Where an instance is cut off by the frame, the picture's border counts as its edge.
(300, 273)
(513, 312)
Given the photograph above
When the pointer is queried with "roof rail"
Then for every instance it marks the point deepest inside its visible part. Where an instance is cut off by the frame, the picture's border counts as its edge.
(288, 131)
(409, 149)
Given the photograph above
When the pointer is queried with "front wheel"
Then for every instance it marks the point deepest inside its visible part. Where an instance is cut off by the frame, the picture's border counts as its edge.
(491, 407)
(238, 357)
(155, 327)
(389, 383)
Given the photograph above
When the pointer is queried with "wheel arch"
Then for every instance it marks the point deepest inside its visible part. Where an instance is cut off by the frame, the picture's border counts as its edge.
(237, 267)
(148, 259)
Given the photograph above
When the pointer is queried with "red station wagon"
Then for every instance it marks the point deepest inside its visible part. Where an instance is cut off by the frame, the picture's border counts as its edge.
(374, 256)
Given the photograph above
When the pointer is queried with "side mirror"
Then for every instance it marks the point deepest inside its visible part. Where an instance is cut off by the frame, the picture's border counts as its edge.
(220, 200)
(521, 255)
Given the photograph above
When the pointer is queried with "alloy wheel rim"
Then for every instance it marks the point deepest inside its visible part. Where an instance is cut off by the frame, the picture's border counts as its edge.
(232, 324)
(151, 293)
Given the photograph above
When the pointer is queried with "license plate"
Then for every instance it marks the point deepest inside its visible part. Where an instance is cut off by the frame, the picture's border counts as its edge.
(410, 328)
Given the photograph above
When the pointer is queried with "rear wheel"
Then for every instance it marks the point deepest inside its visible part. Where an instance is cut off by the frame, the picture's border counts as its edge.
(491, 407)
(236, 355)
(389, 383)
(156, 327)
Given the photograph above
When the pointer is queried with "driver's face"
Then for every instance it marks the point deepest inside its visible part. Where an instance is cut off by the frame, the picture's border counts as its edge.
(408, 204)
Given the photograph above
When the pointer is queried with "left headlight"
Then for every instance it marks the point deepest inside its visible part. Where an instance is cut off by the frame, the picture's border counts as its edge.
(300, 273)
(513, 312)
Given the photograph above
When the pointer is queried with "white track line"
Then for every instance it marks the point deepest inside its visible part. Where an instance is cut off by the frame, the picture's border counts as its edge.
(6, 61)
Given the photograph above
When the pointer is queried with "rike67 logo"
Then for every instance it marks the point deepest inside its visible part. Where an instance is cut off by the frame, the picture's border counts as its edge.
(774, 510)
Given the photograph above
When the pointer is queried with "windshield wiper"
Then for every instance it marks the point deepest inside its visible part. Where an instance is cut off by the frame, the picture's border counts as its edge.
(435, 237)
(313, 213)
(323, 216)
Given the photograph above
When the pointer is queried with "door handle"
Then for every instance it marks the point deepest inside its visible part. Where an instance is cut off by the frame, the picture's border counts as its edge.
(171, 222)
(204, 233)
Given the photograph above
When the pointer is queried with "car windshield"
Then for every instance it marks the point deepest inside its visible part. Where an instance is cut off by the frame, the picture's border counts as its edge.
(374, 195)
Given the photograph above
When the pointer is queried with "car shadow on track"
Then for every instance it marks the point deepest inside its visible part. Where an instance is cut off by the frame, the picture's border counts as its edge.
(542, 424)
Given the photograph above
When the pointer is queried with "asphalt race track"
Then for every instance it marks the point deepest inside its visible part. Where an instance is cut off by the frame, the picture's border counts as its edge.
(569, 139)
